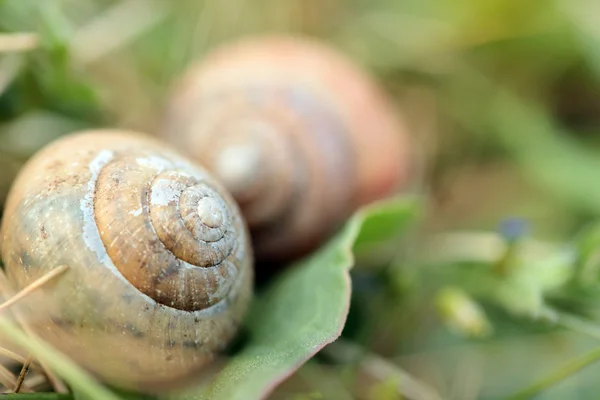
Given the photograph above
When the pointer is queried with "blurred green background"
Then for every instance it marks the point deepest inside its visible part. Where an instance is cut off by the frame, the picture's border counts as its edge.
(503, 100)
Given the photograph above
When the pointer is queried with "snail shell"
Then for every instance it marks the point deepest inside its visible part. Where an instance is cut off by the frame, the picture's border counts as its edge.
(160, 270)
(298, 134)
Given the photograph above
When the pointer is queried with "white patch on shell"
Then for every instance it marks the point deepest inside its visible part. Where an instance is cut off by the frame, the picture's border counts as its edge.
(158, 164)
(91, 236)
(166, 191)
(93, 241)
(135, 213)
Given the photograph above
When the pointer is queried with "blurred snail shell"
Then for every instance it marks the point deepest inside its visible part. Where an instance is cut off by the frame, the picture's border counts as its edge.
(160, 271)
(298, 134)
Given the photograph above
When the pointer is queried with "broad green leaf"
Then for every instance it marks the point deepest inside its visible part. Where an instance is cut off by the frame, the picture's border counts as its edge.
(382, 224)
(304, 309)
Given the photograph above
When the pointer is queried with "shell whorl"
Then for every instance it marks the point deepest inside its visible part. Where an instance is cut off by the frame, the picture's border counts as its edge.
(299, 134)
(286, 157)
(166, 230)
(160, 269)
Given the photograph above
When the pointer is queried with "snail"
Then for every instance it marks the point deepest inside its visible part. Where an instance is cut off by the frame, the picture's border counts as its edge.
(299, 134)
(159, 267)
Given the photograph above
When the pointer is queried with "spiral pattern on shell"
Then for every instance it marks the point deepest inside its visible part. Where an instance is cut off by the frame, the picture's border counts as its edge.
(299, 135)
(160, 269)
(186, 264)
(277, 171)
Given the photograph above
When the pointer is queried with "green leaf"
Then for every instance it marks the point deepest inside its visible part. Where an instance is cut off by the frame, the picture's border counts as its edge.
(304, 309)
(521, 297)
(383, 223)
(52, 79)
(586, 246)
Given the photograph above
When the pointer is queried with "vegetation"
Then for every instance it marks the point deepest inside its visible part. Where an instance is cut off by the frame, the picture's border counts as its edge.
(487, 283)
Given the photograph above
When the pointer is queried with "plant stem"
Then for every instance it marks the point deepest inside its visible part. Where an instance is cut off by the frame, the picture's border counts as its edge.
(22, 374)
(557, 376)
(33, 287)
(571, 322)
(67, 369)
(381, 369)
(57, 384)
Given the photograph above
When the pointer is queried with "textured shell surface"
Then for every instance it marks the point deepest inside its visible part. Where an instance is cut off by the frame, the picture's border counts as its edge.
(160, 268)
(298, 133)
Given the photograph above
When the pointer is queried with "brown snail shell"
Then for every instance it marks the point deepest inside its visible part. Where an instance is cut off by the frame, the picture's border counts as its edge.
(159, 265)
(299, 135)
